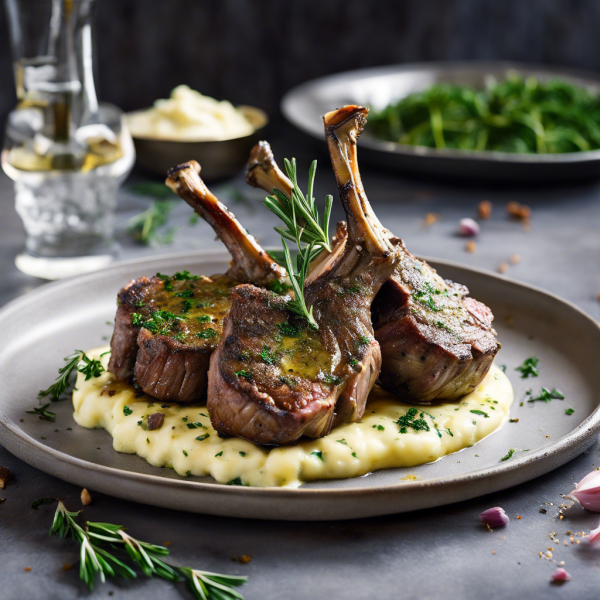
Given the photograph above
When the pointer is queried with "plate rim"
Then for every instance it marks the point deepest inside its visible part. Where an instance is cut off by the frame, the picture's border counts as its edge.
(586, 78)
(579, 435)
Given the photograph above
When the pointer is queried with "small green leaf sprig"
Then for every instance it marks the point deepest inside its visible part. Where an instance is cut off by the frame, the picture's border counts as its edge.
(104, 548)
(303, 226)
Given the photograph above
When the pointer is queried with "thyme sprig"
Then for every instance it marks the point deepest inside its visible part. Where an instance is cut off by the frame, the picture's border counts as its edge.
(304, 226)
(79, 361)
(100, 541)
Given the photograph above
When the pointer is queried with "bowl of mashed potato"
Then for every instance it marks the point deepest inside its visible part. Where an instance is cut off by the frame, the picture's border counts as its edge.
(187, 126)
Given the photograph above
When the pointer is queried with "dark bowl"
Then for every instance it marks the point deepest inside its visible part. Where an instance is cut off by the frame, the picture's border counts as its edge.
(219, 160)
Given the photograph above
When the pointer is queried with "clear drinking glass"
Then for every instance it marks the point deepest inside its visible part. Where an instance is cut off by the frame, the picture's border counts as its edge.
(66, 153)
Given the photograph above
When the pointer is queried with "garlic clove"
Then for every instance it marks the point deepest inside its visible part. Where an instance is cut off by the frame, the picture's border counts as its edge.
(587, 492)
(594, 536)
(560, 576)
(494, 517)
(468, 227)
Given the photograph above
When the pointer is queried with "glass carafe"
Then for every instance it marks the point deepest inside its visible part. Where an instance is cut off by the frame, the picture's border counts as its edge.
(66, 153)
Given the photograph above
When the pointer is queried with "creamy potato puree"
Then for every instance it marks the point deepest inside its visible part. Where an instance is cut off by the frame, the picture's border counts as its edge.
(187, 442)
(189, 116)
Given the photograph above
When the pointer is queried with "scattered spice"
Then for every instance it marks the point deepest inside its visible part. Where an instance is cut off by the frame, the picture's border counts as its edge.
(513, 420)
(245, 558)
(471, 247)
(66, 567)
(27, 569)
(5, 476)
(515, 259)
(502, 268)
(484, 210)
(518, 211)
(543, 511)
(86, 498)
(430, 218)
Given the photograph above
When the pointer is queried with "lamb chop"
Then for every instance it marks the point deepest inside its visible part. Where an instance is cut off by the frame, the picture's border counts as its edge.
(437, 343)
(272, 377)
(167, 327)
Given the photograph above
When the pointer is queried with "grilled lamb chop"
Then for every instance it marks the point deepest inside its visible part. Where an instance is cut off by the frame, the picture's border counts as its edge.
(262, 172)
(436, 342)
(273, 378)
(166, 328)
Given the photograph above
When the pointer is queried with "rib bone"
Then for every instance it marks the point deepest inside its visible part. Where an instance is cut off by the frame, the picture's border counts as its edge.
(250, 262)
(262, 172)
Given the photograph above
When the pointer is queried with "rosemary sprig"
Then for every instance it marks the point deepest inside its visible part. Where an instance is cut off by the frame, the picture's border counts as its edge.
(300, 215)
(144, 227)
(78, 360)
(96, 558)
(45, 415)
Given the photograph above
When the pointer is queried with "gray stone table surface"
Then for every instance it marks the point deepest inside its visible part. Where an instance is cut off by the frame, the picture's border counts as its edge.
(439, 553)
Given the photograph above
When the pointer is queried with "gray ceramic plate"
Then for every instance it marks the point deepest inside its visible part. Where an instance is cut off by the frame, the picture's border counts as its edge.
(40, 328)
(304, 106)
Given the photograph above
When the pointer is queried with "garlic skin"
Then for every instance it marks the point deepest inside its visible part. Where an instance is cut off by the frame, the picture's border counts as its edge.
(560, 576)
(494, 517)
(468, 227)
(587, 492)
(594, 537)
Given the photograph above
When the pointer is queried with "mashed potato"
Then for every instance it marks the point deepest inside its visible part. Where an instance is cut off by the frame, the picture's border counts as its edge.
(187, 442)
(189, 116)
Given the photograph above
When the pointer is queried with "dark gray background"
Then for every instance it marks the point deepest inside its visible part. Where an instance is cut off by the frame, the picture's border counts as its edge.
(253, 51)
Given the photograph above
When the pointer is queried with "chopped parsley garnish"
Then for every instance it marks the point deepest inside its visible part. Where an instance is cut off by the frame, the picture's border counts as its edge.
(379, 427)
(203, 318)
(408, 420)
(245, 374)
(207, 334)
(127, 411)
(185, 276)
(184, 453)
(332, 379)
(185, 294)
(364, 340)
(287, 381)
(354, 454)
(480, 412)
(569, 411)
(202, 437)
(279, 287)
(508, 455)
(267, 356)
(289, 330)
(342, 441)
(503, 368)
(443, 325)
(546, 395)
(196, 425)
(242, 453)
(160, 322)
(318, 454)
(236, 481)
(353, 363)
(43, 414)
(425, 297)
(219, 454)
(529, 367)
